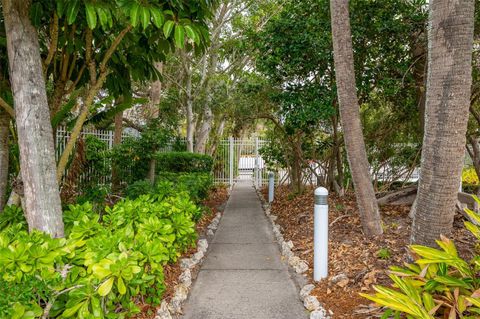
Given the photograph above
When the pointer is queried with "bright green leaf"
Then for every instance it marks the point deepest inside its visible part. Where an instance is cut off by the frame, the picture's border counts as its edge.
(91, 15)
(121, 286)
(145, 16)
(134, 13)
(157, 17)
(179, 36)
(106, 287)
(72, 10)
(167, 28)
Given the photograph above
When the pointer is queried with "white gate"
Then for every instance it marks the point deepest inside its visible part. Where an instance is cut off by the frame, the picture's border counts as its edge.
(239, 159)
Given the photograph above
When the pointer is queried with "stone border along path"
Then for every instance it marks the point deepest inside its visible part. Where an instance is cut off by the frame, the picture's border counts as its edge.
(242, 276)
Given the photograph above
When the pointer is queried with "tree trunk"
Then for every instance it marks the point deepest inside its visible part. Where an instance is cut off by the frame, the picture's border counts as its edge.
(204, 131)
(117, 139)
(37, 155)
(190, 119)
(446, 115)
(218, 137)
(350, 118)
(4, 158)
(155, 94)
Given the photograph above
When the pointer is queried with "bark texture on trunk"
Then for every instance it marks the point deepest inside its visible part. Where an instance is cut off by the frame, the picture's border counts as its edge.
(190, 117)
(155, 94)
(117, 139)
(450, 41)
(4, 156)
(204, 131)
(155, 97)
(37, 157)
(350, 118)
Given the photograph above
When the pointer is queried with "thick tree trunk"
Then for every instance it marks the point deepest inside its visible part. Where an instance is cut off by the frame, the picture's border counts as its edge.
(350, 118)
(448, 99)
(204, 131)
(117, 139)
(4, 158)
(37, 157)
(218, 136)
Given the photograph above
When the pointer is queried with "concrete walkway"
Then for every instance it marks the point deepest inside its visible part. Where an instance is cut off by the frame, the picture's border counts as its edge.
(242, 276)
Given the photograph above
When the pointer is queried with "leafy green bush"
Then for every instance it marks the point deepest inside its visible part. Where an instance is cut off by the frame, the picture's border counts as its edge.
(101, 265)
(132, 157)
(184, 162)
(196, 185)
(139, 188)
(440, 284)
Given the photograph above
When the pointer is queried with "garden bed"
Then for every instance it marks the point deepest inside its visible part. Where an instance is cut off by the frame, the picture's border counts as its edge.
(214, 204)
(355, 263)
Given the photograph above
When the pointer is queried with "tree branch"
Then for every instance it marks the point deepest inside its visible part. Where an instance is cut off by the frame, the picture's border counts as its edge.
(7, 107)
(53, 44)
(113, 47)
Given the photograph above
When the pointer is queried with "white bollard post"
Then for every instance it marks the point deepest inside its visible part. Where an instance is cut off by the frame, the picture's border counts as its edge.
(320, 234)
(271, 187)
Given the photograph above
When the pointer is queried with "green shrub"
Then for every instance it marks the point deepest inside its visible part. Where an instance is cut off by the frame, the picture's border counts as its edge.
(440, 284)
(139, 188)
(132, 157)
(184, 162)
(196, 185)
(98, 269)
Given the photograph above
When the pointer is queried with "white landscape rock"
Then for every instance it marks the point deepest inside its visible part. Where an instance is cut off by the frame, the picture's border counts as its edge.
(319, 314)
(187, 263)
(198, 256)
(306, 290)
(186, 278)
(210, 232)
(162, 312)
(293, 261)
(301, 267)
(287, 249)
(181, 294)
(311, 303)
(202, 245)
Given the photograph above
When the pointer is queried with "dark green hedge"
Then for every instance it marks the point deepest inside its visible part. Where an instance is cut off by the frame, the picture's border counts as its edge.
(184, 162)
(196, 185)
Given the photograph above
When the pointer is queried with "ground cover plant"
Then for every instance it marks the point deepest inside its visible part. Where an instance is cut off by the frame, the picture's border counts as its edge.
(101, 264)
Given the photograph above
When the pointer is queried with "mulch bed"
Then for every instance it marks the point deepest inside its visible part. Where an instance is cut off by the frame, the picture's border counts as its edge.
(215, 203)
(364, 261)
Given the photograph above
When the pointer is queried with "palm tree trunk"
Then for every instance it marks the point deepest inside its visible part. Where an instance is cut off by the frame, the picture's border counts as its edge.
(35, 136)
(350, 118)
(446, 115)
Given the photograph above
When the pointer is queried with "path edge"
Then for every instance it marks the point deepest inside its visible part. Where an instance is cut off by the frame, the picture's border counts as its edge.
(190, 267)
(296, 266)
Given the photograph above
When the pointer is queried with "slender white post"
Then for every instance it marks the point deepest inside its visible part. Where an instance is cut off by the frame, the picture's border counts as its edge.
(271, 185)
(320, 234)
(230, 173)
(257, 179)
